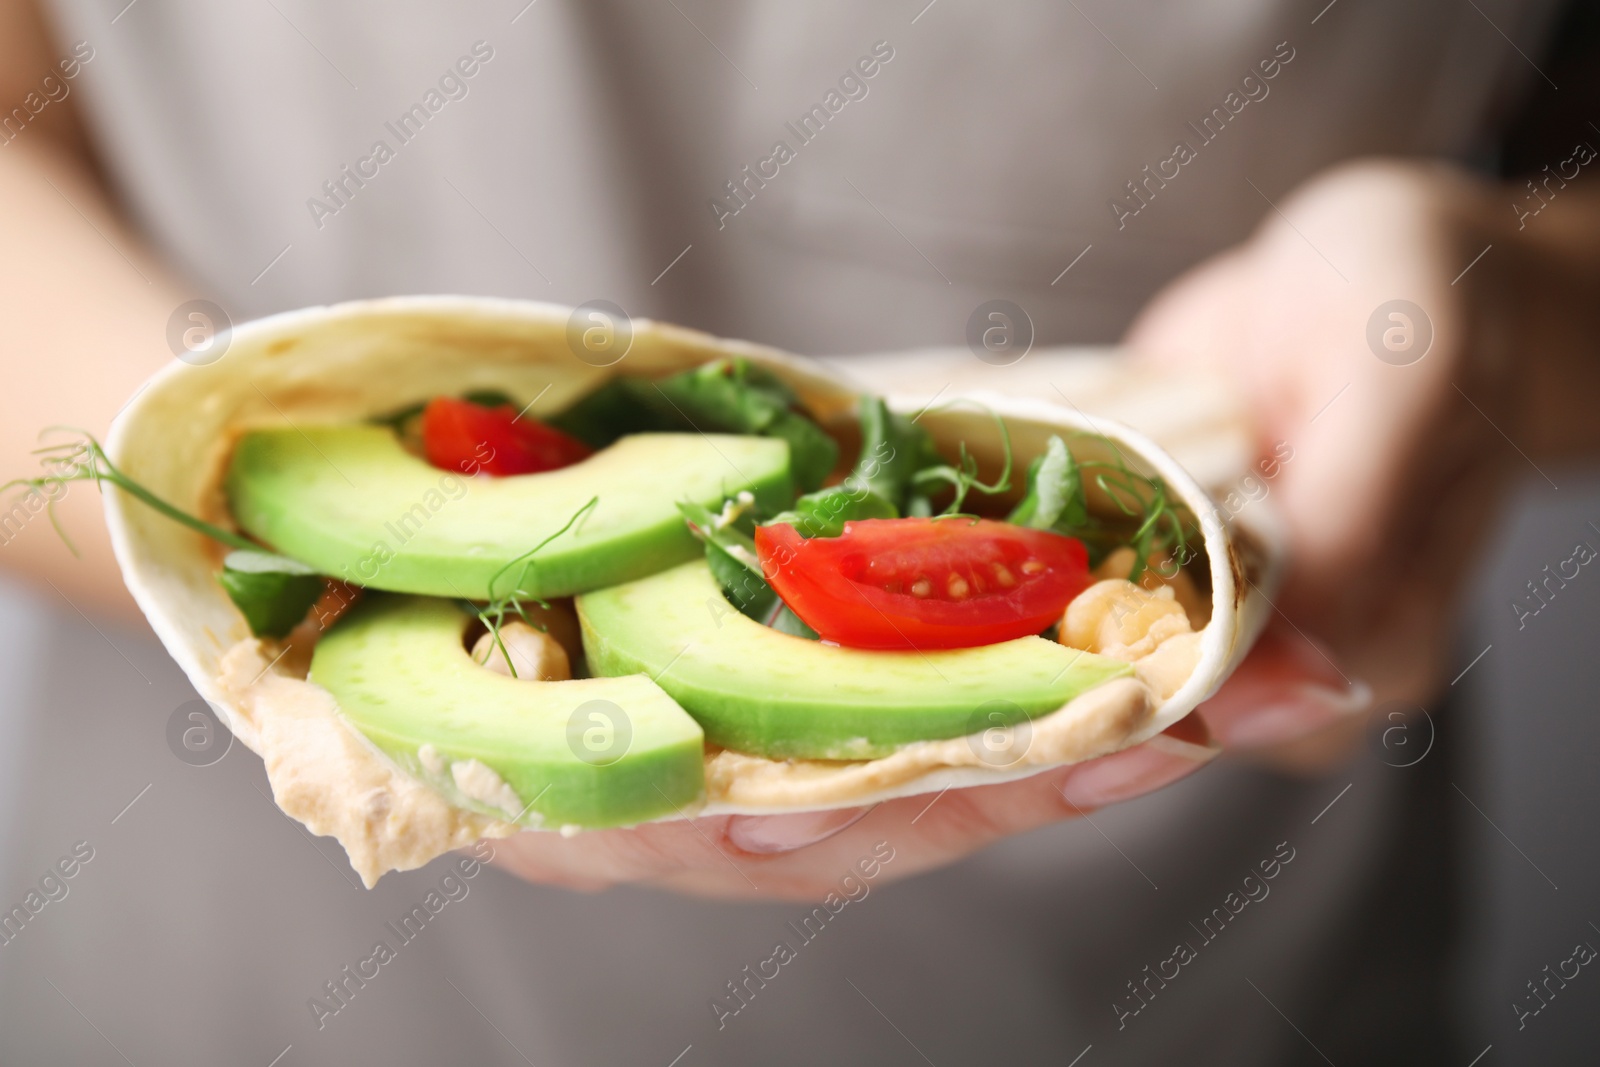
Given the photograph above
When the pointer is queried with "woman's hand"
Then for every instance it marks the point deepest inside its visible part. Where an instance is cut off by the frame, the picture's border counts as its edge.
(805, 856)
(1396, 466)
(1399, 420)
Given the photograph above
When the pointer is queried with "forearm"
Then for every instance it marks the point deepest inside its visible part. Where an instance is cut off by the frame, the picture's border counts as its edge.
(85, 311)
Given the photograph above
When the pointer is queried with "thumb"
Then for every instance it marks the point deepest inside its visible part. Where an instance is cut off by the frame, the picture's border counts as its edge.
(1287, 688)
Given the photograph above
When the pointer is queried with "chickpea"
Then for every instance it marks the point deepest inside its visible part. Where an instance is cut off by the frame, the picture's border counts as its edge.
(538, 656)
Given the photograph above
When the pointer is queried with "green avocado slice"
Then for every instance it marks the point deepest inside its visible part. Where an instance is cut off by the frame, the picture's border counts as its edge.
(352, 503)
(589, 752)
(756, 690)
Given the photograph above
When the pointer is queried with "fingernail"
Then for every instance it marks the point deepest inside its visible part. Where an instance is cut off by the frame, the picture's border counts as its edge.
(1127, 774)
(1308, 709)
(769, 834)
(1317, 661)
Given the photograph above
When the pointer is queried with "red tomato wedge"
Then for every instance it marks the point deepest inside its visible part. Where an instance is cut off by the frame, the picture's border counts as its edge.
(458, 435)
(924, 583)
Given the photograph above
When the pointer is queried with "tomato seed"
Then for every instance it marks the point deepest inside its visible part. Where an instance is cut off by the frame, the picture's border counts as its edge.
(956, 586)
(921, 587)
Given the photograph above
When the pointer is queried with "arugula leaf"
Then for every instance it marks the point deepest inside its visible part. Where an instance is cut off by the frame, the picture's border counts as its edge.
(731, 396)
(893, 450)
(1056, 500)
(273, 592)
(723, 396)
(824, 513)
(619, 407)
(1055, 492)
(731, 555)
(812, 453)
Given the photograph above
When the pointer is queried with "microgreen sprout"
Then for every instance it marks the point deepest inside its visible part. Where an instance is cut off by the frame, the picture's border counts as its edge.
(963, 474)
(1057, 500)
(493, 614)
(1161, 527)
(82, 459)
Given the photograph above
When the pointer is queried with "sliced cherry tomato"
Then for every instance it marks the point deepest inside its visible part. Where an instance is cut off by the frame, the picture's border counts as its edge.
(924, 583)
(458, 435)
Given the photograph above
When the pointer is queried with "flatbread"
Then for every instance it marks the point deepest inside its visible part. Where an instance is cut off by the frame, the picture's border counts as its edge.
(348, 362)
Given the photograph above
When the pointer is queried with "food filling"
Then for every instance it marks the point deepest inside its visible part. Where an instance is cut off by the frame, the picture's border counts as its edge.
(756, 623)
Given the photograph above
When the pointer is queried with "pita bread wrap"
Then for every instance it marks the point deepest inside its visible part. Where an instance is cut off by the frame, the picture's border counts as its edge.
(350, 362)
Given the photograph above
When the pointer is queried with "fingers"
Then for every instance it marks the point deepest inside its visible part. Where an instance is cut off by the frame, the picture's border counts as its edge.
(803, 856)
(596, 859)
(1286, 689)
(1195, 320)
(760, 835)
(929, 831)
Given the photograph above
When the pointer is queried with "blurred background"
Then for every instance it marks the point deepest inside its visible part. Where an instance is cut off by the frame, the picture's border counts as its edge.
(590, 149)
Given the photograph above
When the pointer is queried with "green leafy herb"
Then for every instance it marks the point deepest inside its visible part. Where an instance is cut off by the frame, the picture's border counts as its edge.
(1055, 492)
(272, 592)
(723, 396)
(893, 450)
(1146, 500)
(825, 512)
(621, 406)
(731, 555)
(493, 614)
(1056, 500)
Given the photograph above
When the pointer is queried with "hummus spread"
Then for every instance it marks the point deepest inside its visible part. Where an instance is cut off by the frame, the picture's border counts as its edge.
(328, 776)
(1113, 617)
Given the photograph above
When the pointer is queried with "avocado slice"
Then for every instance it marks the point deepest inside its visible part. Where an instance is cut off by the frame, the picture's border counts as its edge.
(589, 752)
(352, 503)
(756, 690)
